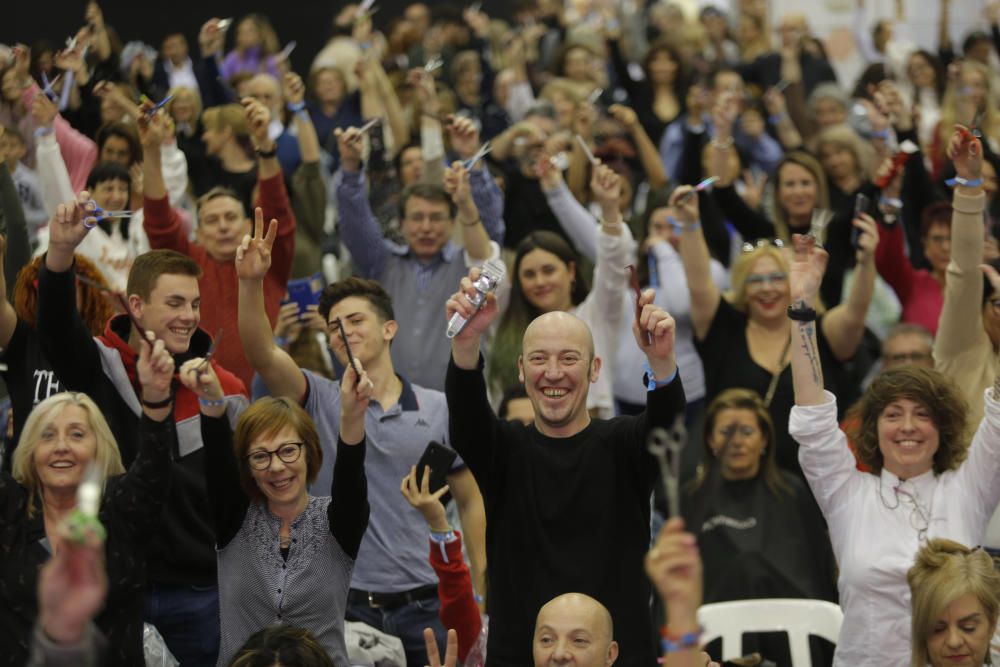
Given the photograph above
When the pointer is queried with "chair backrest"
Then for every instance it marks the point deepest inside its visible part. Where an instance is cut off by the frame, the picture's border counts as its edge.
(799, 618)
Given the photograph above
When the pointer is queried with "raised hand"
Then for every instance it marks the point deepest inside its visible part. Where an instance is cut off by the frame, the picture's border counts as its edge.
(152, 128)
(356, 390)
(685, 203)
(210, 38)
(258, 118)
(548, 173)
(155, 369)
(349, 144)
(867, 238)
(624, 115)
(753, 188)
(43, 111)
(607, 188)
(460, 302)
(253, 257)
(966, 152)
(201, 379)
(70, 224)
(415, 487)
(293, 88)
(456, 184)
(464, 136)
(806, 269)
(655, 333)
(72, 587)
(724, 115)
(451, 652)
(674, 566)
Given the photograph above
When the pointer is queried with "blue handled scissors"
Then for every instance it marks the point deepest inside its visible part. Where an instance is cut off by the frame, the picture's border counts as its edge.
(98, 214)
(151, 111)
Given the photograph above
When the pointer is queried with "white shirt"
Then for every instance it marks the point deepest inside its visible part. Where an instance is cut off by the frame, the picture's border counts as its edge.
(876, 538)
(181, 76)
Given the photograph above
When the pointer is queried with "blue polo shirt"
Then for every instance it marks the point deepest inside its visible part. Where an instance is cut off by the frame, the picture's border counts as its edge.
(393, 554)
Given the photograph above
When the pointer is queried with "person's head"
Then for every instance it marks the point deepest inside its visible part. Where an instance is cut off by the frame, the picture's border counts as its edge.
(10, 85)
(991, 307)
(62, 435)
(723, 80)
(843, 153)
(545, 275)
(662, 63)
(267, 90)
(974, 81)
(410, 164)
(574, 628)
(908, 344)
(427, 217)
(277, 447)
(163, 295)
(800, 187)
(94, 307)
(224, 124)
(222, 223)
(738, 439)
(281, 646)
(110, 185)
(715, 23)
(516, 406)
(935, 235)
(955, 601)
(576, 63)
(977, 46)
(557, 366)
(327, 85)
(365, 309)
(882, 34)
(185, 105)
(466, 72)
(924, 70)
(760, 283)
(828, 105)
(12, 147)
(564, 96)
(911, 420)
(255, 31)
(175, 48)
(792, 29)
(118, 142)
(418, 14)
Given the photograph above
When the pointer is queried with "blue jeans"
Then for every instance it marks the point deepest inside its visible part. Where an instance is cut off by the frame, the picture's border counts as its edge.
(188, 619)
(407, 623)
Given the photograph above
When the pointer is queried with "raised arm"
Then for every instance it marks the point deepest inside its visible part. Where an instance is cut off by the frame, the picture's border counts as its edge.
(573, 217)
(227, 501)
(17, 250)
(348, 510)
(844, 325)
(694, 253)
(464, 138)
(160, 221)
(253, 259)
(358, 228)
(52, 173)
(805, 275)
(649, 154)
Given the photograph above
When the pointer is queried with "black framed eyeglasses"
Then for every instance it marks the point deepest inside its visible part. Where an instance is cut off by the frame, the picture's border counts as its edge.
(288, 453)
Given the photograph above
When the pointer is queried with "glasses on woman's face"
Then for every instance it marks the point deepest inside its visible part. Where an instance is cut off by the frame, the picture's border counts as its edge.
(776, 278)
(996, 305)
(760, 243)
(288, 453)
(732, 430)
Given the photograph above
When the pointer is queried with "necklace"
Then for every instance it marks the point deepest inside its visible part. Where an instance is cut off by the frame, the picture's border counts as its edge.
(920, 519)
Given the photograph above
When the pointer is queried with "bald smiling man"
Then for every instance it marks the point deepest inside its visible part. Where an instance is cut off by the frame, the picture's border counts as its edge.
(574, 628)
(566, 496)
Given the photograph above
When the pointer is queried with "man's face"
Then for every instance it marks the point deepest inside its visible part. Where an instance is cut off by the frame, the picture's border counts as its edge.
(116, 149)
(172, 312)
(411, 165)
(427, 226)
(222, 225)
(419, 16)
(175, 48)
(367, 334)
(570, 630)
(557, 366)
(907, 349)
(264, 88)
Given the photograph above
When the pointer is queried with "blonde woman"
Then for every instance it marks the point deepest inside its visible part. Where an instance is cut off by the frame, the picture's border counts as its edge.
(955, 601)
(969, 96)
(63, 438)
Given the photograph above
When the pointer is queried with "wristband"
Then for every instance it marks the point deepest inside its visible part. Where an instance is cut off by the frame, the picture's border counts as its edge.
(802, 313)
(296, 107)
(443, 538)
(281, 341)
(728, 143)
(211, 402)
(43, 132)
(267, 154)
(679, 227)
(471, 224)
(649, 379)
(969, 183)
(156, 405)
(673, 644)
(880, 134)
(776, 118)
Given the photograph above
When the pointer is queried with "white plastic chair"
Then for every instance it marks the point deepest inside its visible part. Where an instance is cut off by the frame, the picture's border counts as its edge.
(799, 618)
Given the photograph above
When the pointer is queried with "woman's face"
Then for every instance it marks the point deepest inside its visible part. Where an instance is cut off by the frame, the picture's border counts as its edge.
(247, 34)
(766, 290)
(564, 108)
(747, 31)
(577, 65)
(67, 444)
(921, 72)
(330, 87)
(9, 86)
(283, 483)
(937, 246)
(991, 318)
(662, 68)
(738, 443)
(111, 195)
(961, 634)
(797, 191)
(907, 437)
(182, 109)
(837, 160)
(214, 139)
(546, 280)
(974, 84)
(829, 112)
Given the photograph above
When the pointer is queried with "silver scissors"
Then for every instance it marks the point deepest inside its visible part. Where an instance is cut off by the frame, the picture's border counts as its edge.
(666, 446)
(586, 149)
(99, 214)
(433, 64)
(483, 151)
(211, 350)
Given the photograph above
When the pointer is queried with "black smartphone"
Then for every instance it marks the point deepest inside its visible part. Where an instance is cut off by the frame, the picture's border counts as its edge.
(439, 459)
(862, 204)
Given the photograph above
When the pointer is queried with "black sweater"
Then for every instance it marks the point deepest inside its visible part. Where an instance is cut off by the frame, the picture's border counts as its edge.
(562, 515)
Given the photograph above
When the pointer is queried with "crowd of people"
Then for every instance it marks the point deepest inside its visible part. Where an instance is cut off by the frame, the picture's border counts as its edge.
(366, 365)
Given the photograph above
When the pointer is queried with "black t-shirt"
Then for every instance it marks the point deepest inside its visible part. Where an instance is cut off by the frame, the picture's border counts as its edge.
(525, 209)
(29, 377)
(725, 355)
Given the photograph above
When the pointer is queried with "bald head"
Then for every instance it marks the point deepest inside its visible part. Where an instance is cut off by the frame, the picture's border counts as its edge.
(574, 625)
(560, 324)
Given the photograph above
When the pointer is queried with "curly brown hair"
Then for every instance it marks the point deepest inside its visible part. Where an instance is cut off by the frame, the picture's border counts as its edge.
(95, 309)
(931, 389)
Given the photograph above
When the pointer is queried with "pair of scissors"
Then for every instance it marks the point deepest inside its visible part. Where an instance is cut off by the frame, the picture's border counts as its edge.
(151, 111)
(47, 87)
(433, 64)
(483, 151)
(211, 350)
(666, 447)
(704, 185)
(98, 214)
(586, 149)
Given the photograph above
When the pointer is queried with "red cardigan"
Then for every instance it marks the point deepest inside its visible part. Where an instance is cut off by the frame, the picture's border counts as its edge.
(921, 295)
(219, 284)
(458, 604)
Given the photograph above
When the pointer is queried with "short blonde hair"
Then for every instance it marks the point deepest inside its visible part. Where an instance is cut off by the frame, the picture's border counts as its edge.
(844, 136)
(943, 572)
(227, 116)
(107, 456)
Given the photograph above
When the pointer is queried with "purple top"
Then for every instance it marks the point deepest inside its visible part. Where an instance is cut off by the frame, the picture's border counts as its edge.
(249, 61)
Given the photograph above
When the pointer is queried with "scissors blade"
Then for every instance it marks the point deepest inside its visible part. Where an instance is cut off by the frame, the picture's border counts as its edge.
(586, 149)
(93, 283)
(211, 350)
(483, 151)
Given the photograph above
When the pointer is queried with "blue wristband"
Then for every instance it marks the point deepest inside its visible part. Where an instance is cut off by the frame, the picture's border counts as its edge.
(295, 108)
(651, 383)
(683, 643)
(679, 227)
(211, 402)
(958, 180)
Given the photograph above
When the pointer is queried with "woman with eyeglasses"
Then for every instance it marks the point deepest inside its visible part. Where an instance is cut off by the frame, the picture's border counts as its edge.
(743, 336)
(284, 557)
(956, 602)
(924, 479)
